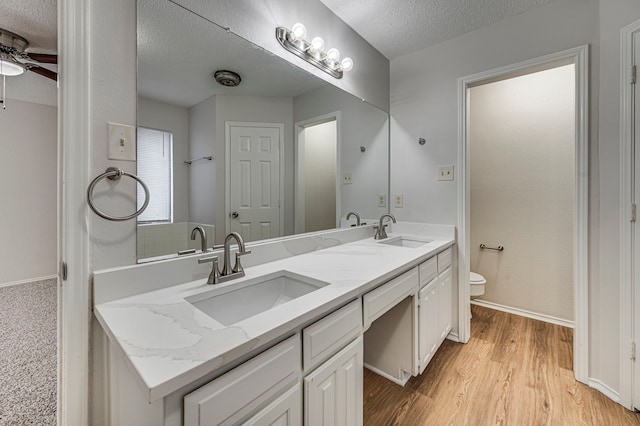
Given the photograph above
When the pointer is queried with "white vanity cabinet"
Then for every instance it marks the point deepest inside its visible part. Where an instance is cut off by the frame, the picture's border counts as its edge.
(333, 393)
(237, 394)
(434, 307)
(333, 360)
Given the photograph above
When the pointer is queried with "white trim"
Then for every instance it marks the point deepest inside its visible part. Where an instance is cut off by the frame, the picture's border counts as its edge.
(29, 281)
(388, 376)
(74, 310)
(524, 313)
(299, 126)
(604, 389)
(227, 168)
(580, 57)
(626, 227)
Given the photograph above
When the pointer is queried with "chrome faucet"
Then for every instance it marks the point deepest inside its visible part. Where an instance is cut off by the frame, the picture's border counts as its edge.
(227, 273)
(203, 237)
(381, 233)
(356, 215)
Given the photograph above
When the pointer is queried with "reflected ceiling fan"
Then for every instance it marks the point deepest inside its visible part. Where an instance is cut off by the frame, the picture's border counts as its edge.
(14, 60)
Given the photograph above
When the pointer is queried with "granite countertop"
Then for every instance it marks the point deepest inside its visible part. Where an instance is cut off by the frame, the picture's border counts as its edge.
(169, 343)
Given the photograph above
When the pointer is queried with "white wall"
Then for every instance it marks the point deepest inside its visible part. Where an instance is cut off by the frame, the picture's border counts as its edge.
(28, 170)
(521, 154)
(424, 103)
(320, 176)
(361, 125)
(174, 119)
(202, 143)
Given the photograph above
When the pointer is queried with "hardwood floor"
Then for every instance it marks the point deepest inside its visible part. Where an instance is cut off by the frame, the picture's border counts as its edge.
(513, 371)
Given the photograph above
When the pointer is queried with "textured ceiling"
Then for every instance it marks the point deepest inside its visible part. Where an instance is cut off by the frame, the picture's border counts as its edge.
(36, 21)
(397, 27)
(178, 52)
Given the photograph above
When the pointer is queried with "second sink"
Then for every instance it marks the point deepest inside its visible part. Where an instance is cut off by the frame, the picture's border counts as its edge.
(229, 306)
(405, 242)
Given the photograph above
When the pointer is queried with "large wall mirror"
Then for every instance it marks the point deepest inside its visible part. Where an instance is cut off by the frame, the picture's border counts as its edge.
(283, 152)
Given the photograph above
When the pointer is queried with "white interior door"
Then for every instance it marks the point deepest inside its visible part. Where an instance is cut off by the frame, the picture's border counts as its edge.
(254, 184)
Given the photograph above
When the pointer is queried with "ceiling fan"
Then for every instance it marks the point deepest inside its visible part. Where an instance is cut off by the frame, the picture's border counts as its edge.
(14, 60)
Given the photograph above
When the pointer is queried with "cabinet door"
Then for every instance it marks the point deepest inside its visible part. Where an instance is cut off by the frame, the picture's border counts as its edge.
(333, 392)
(284, 411)
(444, 304)
(428, 334)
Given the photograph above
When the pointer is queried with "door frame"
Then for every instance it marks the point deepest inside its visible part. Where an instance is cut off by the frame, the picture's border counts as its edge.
(299, 189)
(628, 322)
(580, 57)
(227, 171)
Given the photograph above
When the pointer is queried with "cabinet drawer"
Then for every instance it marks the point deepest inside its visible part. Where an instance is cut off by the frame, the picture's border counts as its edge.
(236, 394)
(377, 302)
(428, 270)
(444, 260)
(330, 334)
(284, 411)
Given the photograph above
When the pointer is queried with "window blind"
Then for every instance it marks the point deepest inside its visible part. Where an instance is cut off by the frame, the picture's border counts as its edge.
(155, 168)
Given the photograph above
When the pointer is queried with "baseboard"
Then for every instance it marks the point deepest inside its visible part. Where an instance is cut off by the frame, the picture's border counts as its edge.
(523, 313)
(453, 337)
(604, 389)
(387, 376)
(28, 281)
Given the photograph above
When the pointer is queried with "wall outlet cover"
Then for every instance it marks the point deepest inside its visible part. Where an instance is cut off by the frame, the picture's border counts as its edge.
(382, 200)
(347, 179)
(398, 201)
(122, 142)
(445, 172)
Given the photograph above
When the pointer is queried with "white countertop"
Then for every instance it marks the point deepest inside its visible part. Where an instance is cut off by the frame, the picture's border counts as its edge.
(170, 343)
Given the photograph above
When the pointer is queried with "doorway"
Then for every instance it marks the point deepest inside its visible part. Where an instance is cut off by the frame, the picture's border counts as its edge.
(579, 58)
(316, 186)
(254, 179)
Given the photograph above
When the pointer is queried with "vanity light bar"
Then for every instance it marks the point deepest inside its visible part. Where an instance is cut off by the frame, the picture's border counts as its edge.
(313, 52)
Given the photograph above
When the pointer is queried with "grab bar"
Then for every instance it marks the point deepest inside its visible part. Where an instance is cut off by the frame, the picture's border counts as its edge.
(485, 247)
(209, 157)
(114, 173)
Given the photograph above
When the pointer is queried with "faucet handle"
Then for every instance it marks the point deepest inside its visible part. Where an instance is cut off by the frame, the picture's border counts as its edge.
(237, 268)
(215, 272)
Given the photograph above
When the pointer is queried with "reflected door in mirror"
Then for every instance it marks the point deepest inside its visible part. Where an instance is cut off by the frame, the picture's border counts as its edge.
(255, 186)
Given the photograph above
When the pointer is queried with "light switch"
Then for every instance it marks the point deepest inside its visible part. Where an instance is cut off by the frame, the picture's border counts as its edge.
(122, 142)
(382, 200)
(398, 201)
(347, 179)
(445, 172)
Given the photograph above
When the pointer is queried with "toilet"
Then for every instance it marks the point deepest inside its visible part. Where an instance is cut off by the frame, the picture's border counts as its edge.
(476, 284)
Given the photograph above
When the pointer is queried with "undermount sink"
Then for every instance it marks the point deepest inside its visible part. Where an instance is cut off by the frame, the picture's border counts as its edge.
(231, 305)
(405, 242)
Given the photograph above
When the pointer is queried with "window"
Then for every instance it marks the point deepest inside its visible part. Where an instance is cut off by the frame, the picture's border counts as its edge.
(155, 168)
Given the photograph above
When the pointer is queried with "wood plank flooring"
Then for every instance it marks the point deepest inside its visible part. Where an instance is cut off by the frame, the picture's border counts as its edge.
(513, 371)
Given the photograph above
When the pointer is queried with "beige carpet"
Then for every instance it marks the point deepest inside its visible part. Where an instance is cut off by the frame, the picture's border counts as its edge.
(28, 354)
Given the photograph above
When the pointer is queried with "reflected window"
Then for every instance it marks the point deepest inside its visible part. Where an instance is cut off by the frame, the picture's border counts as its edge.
(155, 168)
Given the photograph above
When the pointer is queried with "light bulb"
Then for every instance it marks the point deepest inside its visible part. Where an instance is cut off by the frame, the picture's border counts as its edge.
(298, 31)
(10, 68)
(347, 64)
(333, 54)
(317, 44)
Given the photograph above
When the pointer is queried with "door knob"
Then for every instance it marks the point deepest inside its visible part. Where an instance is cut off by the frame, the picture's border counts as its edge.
(233, 215)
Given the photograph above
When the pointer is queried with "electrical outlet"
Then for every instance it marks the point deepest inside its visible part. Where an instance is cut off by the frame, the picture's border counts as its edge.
(398, 201)
(445, 172)
(347, 179)
(122, 142)
(382, 200)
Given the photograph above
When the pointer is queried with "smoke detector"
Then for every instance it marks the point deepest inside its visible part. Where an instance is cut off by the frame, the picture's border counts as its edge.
(227, 78)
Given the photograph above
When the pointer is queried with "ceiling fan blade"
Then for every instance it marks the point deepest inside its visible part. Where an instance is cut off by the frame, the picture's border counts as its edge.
(45, 72)
(43, 58)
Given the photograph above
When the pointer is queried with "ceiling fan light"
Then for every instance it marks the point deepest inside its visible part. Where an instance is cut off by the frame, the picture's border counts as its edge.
(10, 68)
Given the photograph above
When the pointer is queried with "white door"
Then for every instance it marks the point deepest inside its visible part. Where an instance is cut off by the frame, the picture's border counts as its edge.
(429, 336)
(254, 186)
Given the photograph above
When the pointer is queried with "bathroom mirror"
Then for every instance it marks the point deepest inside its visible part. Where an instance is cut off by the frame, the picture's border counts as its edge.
(283, 152)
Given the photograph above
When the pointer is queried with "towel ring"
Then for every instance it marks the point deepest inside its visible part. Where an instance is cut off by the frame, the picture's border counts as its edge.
(114, 173)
